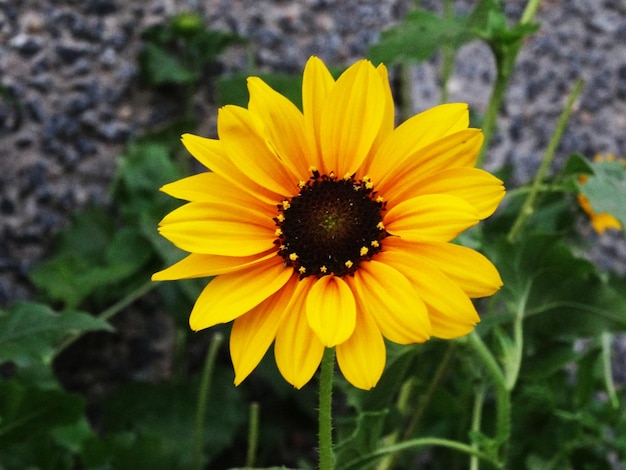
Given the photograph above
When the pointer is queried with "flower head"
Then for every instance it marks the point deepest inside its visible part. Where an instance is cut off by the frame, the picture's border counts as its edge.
(603, 221)
(331, 228)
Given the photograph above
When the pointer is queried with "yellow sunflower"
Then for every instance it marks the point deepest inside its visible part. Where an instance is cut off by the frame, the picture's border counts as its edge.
(601, 222)
(331, 228)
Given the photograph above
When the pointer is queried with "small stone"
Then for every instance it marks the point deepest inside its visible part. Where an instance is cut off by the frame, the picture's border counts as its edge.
(82, 66)
(85, 146)
(114, 132)
(24, 140)
(621, 81)
(41, 82)
(70, 53)
(620, 32)
(40, 67)
(34, 177)
(69, 158)
(79, 105)
(7, 206)
(100, 7)
(26, 45)
(605, 22)
(35, 110)
(108, 58)
(91, 31)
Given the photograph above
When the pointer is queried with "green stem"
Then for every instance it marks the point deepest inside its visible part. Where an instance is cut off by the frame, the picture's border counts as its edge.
(424, 402)
(430, 393)
(477, 412)
(543, 188)
(253, 435)
(416, 443)
(505, 61)
(530, 11)
(406, 391)
(326, 457)
(112, 311)
(514, 363)
(606, 339)
(503, 398)
(203, 394)
(527, 209)
(447, 60)
(491, 115)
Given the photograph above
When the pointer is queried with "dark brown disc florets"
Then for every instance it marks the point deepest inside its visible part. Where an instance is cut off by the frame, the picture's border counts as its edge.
(330, 226)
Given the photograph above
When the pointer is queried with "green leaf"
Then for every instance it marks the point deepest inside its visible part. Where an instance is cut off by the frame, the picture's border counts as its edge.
(554, 358)
(159, 67)
(40, 428)
(261, 468)
(562, 295)
(365, 438)
(28, 413)
(30, 331)
(418, 37)
(144, 167)
(178, 51)
(576, 165)
(606, 189)
(75, 271)
(161, 418)
(128, 450)
(72, 436)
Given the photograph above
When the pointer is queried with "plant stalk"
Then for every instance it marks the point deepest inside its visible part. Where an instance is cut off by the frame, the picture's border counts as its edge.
(326, 457)
(503, 397)
(253, 435)
(505, 61)
(203, 395)
(110, 312)
(528, 207)
(361, 462)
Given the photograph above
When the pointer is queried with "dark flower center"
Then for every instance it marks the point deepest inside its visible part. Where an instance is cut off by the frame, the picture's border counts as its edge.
(330, 226)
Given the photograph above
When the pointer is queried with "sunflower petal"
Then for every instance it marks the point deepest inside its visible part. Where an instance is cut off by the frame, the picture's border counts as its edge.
(199, 265)
(469, 269)
(298, 350)
(284, 125)
(331, 310)
(362, 357)
(243, 139)
(389, 298)
(316, 85)
(231, 295)
(211, 153)
(351, 118)
(253, 333)
(211, 187)
(430, 218)
(455, 150)
(451, 312)
(416, 133)
(482, 190)
(389, 120)
(218, 229)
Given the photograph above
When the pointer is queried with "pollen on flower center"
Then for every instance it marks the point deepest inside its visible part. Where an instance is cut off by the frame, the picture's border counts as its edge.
(330, 226)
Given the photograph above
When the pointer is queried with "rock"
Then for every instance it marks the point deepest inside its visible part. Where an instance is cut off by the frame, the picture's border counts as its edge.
(27, 45)
(99, 7)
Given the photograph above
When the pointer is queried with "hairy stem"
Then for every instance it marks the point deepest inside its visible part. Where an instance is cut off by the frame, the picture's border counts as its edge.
(326, 457)
(203, 394)
(528, 207)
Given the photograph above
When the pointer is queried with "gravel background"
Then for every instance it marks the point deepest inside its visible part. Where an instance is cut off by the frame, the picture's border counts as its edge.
(73, 97)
